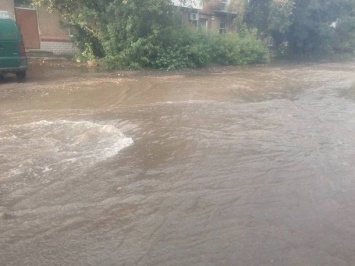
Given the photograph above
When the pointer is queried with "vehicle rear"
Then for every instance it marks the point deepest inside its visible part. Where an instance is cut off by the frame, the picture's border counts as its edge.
(12, 51)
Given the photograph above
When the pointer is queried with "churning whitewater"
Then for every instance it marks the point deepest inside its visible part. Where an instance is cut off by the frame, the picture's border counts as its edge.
(39, 148)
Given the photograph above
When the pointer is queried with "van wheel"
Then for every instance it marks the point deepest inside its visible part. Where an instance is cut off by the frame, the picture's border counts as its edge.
(21, 75)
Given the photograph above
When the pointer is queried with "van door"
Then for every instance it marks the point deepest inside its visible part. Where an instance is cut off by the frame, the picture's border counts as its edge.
(10, 41)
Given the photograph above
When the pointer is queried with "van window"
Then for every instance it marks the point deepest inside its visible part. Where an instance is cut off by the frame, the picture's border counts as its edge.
(8, 31)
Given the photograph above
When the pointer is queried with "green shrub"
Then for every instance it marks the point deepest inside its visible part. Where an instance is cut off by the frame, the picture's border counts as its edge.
(233, 49)
(184, 47)
(150, 34)
(89, 46)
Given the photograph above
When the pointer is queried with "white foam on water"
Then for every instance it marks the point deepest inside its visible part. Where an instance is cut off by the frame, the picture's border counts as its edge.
(42, 147)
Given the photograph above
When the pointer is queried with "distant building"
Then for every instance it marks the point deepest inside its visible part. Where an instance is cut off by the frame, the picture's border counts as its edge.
(41, 30)
(214, 15)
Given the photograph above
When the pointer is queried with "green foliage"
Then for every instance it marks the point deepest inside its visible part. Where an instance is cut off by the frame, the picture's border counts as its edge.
(232, 49)
(151, 35)
(88, 44)
(183, 47)
(135, 34)
(257, 15)
(344, 40)
(138, 34)
(303, 28)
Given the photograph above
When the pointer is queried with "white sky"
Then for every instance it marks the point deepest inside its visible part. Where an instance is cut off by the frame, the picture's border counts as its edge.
(188, 3)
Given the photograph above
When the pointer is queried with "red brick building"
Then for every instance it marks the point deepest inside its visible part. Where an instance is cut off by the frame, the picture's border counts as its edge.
(41, 30)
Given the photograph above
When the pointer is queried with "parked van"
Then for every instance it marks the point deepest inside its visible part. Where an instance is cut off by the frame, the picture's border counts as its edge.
(12, 50)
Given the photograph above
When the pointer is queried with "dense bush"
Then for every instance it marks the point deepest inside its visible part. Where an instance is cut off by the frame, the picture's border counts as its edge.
(236, 49)
(89, 45)
(150, 34)
(183, 47)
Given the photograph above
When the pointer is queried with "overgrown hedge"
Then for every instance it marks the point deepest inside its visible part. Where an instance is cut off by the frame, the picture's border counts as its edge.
(181, 47)
(151, 34)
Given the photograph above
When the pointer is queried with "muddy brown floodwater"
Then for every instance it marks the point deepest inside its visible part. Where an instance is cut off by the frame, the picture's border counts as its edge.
(236, 166)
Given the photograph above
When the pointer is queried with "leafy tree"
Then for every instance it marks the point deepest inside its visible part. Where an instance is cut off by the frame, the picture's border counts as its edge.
(135, 34)
(311, 31)
(115, 28)
(257, 15)
(280, 20)
(308, 27)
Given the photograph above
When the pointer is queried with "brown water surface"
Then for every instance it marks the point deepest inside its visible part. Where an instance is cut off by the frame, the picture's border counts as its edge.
(237, 166)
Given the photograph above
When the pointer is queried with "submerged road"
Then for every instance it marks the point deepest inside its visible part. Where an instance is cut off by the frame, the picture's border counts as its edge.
(236, 166)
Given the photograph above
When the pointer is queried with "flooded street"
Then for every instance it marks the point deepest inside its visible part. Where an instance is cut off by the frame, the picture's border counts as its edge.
(236, 166)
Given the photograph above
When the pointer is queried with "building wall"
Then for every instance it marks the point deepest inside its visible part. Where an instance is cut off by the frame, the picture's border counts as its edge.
(8, 5)
(54, 36)
(215, 24)
(51, 27)
(209, 6)
(212, 13)
(58, 48)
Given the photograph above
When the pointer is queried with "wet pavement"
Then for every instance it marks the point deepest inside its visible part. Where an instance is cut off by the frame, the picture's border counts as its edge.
(232, 166)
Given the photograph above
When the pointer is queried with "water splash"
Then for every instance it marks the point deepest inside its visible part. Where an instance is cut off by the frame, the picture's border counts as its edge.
(43, 146)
